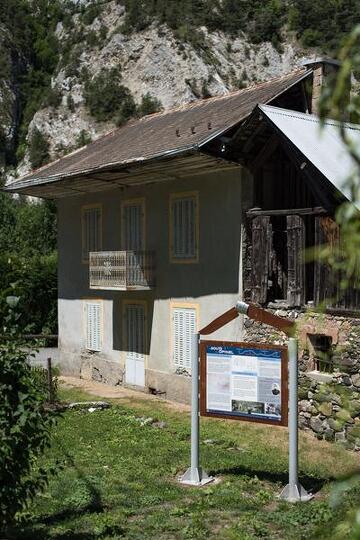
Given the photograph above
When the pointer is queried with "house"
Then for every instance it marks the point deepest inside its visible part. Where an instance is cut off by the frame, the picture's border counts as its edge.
(166, 222)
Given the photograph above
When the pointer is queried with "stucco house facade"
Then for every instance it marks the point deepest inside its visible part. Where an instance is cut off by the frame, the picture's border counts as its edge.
(166, 222)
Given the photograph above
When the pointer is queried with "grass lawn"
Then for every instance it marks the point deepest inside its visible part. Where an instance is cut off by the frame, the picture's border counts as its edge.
(117, 479)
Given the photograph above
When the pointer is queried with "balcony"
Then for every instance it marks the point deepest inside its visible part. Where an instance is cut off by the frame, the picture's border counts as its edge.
(121, 270)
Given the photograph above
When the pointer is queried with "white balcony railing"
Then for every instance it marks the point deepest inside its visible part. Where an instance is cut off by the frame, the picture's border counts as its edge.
(121, 270)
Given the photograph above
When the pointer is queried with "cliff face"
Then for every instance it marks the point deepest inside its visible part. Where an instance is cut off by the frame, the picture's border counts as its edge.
(12, 64)
(153, 61)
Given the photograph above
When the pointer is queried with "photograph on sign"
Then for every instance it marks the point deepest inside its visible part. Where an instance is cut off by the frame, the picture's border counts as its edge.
(243, 380)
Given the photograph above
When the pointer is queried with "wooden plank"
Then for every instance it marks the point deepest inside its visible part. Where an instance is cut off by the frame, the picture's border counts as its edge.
(266, 317)
(260, 257)
(296, 268)
(221, 321)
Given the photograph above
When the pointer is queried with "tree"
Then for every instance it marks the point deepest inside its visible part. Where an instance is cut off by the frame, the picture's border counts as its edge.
(38, 149)
(149, 105)
(25, 426)
(107, 99)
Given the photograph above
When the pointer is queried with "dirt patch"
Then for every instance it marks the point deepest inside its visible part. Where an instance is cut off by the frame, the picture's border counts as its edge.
(116, 392)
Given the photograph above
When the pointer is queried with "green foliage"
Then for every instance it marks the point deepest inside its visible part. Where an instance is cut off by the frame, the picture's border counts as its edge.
(323, 24)
(338, 103)
(119, 481)
(83, 138)
(107, 99)
(38, 149)
(52, 98)
(90, 13)
(28, 262)
(24, 427)
(149, 105)
(260, 19)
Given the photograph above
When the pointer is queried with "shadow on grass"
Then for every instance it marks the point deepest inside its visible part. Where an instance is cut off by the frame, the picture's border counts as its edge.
(38, 528)
(310, 483)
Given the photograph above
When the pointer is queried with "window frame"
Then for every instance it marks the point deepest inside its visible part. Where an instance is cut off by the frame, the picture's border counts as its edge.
(84, 208)
(178, 196)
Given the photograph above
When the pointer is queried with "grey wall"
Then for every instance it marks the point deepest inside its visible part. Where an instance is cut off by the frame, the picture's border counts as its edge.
(213, 283)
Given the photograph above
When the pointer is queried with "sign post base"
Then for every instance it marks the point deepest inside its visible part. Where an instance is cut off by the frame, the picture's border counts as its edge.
(195, 477)
(295, 493)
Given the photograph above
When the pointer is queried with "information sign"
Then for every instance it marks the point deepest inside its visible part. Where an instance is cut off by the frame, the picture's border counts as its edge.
(244, 381)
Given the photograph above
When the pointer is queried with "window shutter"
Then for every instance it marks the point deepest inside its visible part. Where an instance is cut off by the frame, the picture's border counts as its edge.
(135, 331)
(93, 326)
(260, 257)
(296, 269)
(184, 326)
(184, 227)
(91, 224)
(133, 217)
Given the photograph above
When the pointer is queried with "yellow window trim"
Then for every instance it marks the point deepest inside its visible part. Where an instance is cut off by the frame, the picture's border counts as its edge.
(83, 209)
(127, 302)
(183, 195)
(133, 202)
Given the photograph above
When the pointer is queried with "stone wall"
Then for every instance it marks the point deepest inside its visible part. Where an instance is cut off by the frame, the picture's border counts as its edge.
(329, 398)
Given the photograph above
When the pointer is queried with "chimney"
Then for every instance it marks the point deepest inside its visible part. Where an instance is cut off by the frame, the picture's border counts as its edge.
(324, 70)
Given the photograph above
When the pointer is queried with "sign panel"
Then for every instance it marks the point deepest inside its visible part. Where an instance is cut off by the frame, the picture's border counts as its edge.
(244, 381)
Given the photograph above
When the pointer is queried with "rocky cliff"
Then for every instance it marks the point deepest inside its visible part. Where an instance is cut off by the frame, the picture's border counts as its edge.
(152, 62)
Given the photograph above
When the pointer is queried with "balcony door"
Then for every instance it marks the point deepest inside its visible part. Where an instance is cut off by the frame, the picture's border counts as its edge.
(135, 333)
(133, 225)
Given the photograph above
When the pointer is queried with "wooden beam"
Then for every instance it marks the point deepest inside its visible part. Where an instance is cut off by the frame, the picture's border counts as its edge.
(318, 210)
(221, 321)
(264, 154)
(261, 315)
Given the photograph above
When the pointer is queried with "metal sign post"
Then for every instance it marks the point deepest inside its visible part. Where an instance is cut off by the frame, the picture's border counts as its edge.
(194, 475)
(294, 491)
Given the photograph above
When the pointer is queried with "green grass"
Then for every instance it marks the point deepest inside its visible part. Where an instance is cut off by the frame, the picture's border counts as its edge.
(118, 479)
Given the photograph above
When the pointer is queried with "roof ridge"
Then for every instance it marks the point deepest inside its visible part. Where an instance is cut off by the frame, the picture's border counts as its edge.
(232, 93)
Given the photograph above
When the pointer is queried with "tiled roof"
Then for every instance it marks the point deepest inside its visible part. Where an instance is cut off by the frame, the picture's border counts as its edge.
(161, 134)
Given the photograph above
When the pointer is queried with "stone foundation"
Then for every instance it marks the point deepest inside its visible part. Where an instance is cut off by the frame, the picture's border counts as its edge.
(329, 399)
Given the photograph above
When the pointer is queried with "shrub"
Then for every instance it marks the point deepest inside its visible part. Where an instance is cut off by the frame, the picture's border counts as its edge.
(52, 98)
(149, 105)
(107, 99)
(38, 149)
(25, 428)
(70, 103)
(83, 138)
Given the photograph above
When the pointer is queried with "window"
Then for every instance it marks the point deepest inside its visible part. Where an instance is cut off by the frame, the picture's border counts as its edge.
(91, 230)
(322, 351)
(133, 224)
(184, 227)
(93, 317)
(184, 325)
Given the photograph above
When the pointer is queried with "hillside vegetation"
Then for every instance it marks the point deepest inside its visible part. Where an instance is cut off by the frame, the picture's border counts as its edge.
(30, 51)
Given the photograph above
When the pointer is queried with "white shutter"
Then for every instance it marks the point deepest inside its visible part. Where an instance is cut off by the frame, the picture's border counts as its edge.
(184, 326)
(93, 326)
